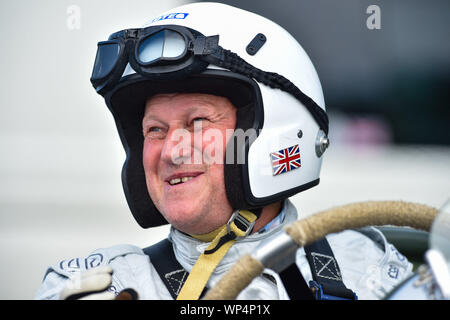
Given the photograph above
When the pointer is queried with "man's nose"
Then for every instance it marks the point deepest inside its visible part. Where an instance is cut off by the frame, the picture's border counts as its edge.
(177, 148)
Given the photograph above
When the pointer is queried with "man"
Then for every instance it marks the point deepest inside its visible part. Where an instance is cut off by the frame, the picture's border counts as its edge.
(222, 119)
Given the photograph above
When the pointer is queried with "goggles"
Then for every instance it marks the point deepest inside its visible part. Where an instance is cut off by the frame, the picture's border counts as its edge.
(172, 52)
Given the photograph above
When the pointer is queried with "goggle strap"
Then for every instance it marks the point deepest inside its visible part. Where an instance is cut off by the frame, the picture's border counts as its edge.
(230, 60)
(205, 45)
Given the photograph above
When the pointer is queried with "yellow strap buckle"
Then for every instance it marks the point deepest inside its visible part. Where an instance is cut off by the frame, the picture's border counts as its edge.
(243, 221)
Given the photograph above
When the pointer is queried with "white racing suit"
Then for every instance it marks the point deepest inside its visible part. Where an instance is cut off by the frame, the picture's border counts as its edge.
(369, 265)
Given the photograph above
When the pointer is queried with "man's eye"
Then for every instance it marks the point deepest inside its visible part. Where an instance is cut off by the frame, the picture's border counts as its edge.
(154, 129)
(199, 120)
(154, 133)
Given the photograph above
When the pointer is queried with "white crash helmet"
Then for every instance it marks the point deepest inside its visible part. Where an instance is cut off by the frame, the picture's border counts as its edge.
(219, 49)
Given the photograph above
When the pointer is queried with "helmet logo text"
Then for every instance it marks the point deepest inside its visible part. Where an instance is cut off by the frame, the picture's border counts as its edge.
(171, 16)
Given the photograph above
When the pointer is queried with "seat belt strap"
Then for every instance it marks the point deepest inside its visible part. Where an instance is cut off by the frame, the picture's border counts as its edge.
(166, 264)
(295, 284)
(327, 281)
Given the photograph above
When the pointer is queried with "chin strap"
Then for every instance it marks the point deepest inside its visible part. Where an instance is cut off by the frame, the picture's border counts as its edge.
(240, 225)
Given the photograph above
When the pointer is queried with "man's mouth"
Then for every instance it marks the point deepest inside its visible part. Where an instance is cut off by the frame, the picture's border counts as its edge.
(175, 181)
(181, 178)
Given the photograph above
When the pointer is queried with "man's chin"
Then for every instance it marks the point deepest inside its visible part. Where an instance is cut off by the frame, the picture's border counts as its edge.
(184, 219)
(195, 216)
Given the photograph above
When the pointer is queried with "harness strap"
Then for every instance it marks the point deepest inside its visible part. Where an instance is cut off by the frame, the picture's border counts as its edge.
(327, 281)
(295, 284)
(166, 264)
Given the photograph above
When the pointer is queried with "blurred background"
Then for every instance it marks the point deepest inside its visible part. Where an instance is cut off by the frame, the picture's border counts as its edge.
(386, 84)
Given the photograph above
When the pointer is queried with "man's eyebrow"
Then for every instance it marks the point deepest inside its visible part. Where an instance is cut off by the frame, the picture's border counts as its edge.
(150, 116)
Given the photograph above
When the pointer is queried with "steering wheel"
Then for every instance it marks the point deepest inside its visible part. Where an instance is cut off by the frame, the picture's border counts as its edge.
(280, 253)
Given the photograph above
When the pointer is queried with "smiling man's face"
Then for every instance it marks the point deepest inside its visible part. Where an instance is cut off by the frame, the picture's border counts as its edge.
(185, 183)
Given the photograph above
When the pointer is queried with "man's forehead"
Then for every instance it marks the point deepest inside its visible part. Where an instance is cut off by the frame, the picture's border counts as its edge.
(166, 102)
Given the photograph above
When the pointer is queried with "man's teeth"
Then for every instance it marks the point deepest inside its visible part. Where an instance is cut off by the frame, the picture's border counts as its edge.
(179, 180)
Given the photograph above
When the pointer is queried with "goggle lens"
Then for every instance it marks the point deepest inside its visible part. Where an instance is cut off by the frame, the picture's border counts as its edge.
(107, 56)
(165, 44)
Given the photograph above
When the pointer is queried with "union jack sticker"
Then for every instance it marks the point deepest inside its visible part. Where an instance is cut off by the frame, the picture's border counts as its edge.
(285, 160)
